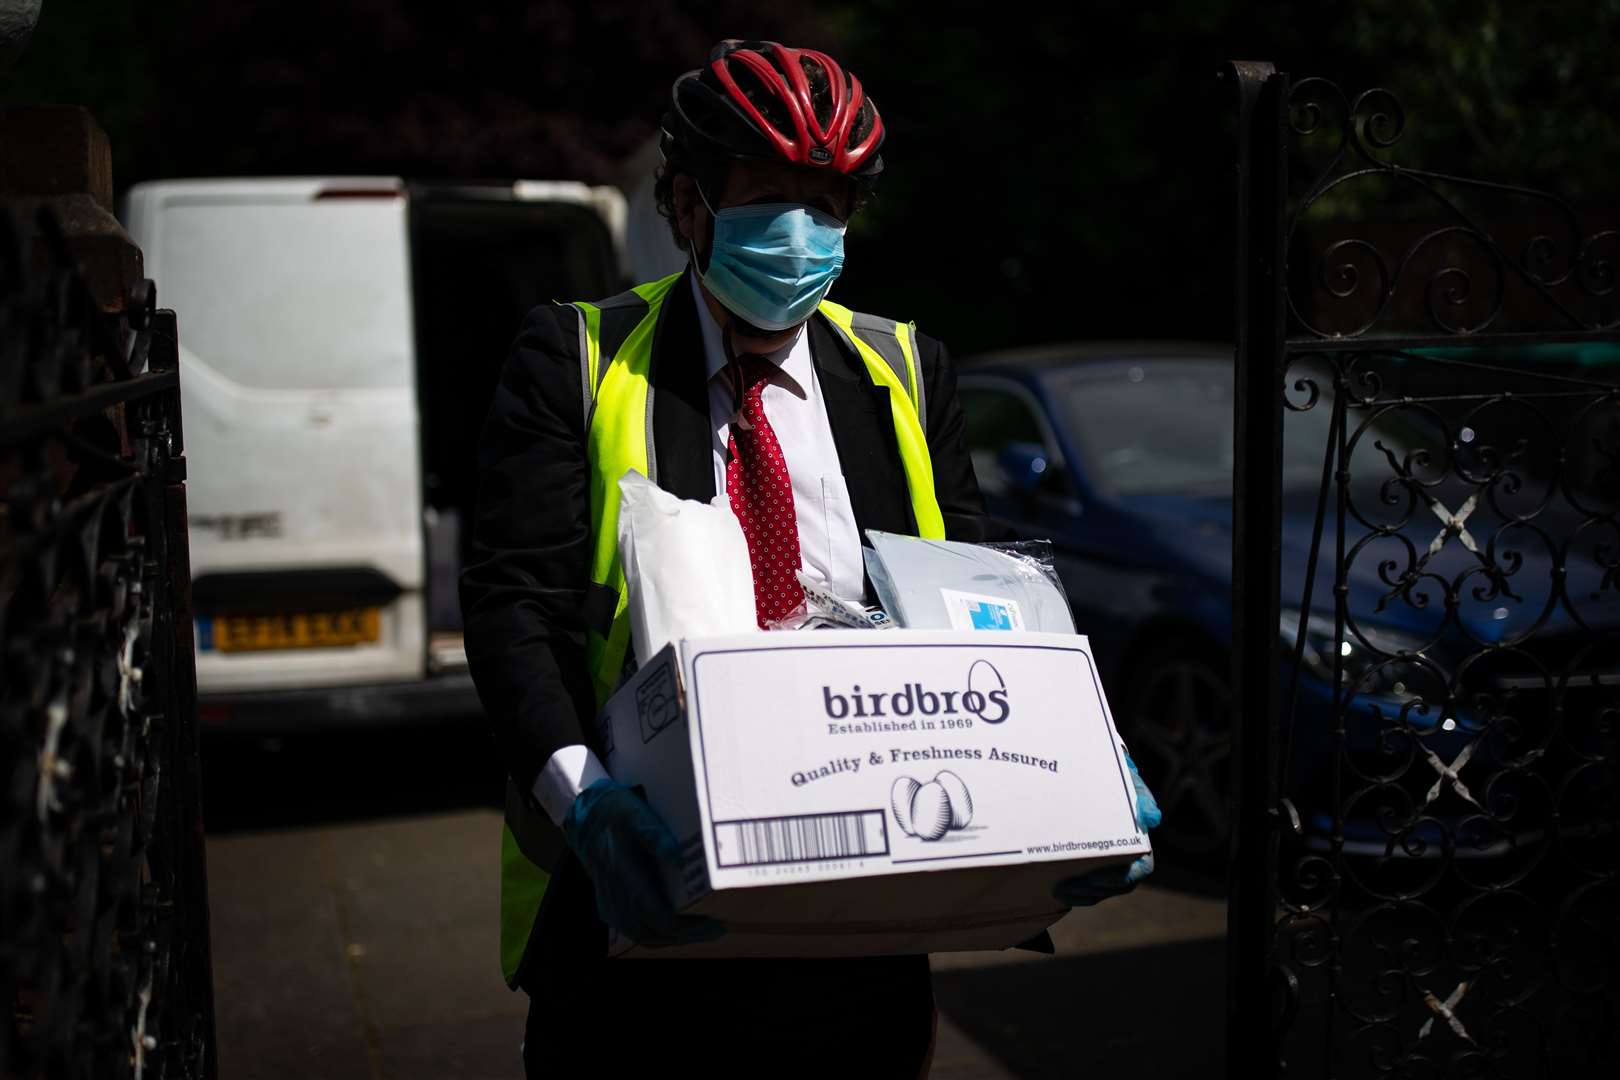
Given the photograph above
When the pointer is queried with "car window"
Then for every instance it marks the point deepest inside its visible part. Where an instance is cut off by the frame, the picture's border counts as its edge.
(1152, 427)
(995, 418)
(1164, 426)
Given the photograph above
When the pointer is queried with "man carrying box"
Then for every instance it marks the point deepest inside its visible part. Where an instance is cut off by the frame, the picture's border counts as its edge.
(734, 376)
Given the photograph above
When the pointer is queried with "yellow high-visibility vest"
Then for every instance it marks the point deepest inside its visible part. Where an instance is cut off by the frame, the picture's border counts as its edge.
(616, 397)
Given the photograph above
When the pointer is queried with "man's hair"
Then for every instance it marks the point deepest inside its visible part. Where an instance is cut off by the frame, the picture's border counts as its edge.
(710, 177)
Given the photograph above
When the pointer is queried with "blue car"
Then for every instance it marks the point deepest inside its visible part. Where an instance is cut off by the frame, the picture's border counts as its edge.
(1121, 454)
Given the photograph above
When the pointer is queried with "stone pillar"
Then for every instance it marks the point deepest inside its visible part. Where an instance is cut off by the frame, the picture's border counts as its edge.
(58, 156)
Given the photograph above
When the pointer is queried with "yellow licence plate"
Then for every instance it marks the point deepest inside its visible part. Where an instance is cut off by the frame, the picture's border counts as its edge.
(300, 630)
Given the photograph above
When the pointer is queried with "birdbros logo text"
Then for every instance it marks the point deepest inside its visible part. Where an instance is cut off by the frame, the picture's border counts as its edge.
(983, 697)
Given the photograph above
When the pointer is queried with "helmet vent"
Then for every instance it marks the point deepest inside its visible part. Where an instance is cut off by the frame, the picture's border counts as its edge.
(763, 100)
(821, 99)
(763, 97)
(862, 127)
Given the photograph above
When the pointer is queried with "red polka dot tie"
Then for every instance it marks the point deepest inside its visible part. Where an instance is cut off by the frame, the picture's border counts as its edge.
(762, 498)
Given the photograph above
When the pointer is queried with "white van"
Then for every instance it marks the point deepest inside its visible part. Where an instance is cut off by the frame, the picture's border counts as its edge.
(340, 339)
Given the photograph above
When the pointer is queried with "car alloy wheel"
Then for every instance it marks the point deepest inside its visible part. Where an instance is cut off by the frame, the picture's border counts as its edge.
(1179, 728)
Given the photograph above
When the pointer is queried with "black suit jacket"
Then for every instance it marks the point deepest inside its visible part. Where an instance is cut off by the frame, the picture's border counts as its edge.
(523, 590)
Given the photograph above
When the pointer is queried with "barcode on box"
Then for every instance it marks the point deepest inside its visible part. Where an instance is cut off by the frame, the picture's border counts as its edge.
(808, 838)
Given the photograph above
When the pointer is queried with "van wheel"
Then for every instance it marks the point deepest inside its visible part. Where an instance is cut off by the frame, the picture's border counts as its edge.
(1177, 721)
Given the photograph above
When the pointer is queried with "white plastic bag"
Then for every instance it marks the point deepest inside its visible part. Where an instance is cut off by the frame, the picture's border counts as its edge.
(685, 564)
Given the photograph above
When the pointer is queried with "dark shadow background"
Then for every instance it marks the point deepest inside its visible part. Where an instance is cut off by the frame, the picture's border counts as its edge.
(1096, 1014)
(1051, 175)
(309, 779)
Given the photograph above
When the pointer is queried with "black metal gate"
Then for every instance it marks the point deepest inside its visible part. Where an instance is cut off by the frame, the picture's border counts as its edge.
(104, 951)
(1427, 576)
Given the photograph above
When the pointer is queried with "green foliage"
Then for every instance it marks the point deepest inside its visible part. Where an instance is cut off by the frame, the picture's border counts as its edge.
(1053, 172)
(540, 88)
(1059, 174)
(1521, 93)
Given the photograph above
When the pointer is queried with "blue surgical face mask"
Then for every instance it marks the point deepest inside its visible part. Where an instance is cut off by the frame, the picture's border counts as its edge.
(772, 263)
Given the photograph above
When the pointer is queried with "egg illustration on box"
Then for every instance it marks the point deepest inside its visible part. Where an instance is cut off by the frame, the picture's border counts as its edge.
(900, 801)
(957, 797)
(930, 810)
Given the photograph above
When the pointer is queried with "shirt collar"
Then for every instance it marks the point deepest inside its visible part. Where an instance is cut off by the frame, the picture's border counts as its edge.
(792, 359)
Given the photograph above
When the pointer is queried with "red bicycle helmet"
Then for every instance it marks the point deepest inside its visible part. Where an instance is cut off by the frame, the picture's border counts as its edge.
(763, 100)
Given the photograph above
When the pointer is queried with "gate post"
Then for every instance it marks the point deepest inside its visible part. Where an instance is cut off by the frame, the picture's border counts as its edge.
(1256, 540)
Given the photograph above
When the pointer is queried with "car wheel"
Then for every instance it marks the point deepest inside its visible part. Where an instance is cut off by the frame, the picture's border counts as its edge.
(1177, 721)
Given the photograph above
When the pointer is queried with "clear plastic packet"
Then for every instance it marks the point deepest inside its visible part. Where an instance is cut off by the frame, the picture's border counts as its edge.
(1036, 555)
(949, 585)
(822, 609)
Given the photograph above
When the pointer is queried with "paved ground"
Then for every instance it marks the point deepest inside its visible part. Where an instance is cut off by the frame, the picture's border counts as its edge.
(347, 946)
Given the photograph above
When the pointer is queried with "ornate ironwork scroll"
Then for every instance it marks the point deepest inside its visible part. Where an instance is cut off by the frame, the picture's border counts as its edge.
(104, 955)
(1431, 864)
(1380, 245)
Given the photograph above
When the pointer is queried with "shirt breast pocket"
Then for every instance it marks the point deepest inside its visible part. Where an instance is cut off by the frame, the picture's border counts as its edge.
(841, 554)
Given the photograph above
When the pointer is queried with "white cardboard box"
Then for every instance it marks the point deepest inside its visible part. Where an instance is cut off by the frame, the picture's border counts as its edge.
(788, 765)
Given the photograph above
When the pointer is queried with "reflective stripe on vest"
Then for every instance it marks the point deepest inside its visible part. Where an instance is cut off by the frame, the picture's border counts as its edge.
(866, 333)
(618, 407)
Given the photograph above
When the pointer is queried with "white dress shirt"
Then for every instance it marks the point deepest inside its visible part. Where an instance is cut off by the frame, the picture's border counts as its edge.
(829, 543)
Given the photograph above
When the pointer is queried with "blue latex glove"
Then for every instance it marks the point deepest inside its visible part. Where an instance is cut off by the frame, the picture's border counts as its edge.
(1099, 885)
(625, 849)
